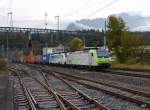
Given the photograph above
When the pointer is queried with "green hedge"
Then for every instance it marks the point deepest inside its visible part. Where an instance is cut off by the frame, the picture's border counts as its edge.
(2, 64)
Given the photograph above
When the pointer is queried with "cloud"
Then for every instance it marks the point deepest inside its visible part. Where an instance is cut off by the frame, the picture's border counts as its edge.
(36, 9)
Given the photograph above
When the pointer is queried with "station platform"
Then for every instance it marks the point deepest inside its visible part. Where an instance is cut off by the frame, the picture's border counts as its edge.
(6, 97)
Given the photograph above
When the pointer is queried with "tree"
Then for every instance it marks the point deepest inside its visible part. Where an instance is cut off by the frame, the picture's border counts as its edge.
(137, 45)
(118, 38)
(76, 44)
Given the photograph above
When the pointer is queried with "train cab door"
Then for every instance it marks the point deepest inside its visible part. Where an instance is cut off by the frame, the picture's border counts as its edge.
(92, 57)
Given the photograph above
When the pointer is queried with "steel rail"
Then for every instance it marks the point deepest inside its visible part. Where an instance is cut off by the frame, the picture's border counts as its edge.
(123, 96)
(31, 100)
(73, 107)
(76, 78)
(145, 94)
(49, 90)
(99, 105)
(127, 73)
(102, 107)
(142, 93)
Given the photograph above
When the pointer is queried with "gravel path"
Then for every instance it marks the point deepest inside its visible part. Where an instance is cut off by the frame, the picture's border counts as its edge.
(6, 101)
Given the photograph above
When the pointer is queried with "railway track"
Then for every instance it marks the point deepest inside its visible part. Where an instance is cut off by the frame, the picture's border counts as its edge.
(123, 72)
(134, 70)
(123, 93)
(139, 97)
(137, 83)
(72, 98)
(37, 96)
(141, 74)
(22, 97)
(131, 94)
(72, 95)
(124, 81)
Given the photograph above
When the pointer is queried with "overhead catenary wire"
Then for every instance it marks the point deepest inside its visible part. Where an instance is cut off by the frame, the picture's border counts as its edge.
(77, 10)
(97, 11)
(83, 7)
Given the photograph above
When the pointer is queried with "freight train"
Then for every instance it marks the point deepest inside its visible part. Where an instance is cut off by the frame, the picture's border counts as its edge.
(92, 58)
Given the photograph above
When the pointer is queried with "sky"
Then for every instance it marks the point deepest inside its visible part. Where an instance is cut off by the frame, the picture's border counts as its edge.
(71, 9)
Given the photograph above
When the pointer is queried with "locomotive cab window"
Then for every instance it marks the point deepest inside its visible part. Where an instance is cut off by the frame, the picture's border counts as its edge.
(102, 54)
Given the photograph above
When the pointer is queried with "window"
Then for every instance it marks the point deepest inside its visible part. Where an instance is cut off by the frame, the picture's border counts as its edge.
(102, 54)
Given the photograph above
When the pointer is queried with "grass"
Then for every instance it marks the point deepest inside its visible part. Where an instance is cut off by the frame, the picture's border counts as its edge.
(131, 66)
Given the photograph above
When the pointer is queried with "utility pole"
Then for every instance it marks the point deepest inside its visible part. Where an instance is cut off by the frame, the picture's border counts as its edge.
(30, 44)
(84, 41)
(105, 35)
(52, 40)
(2, 50)
(45, 21)
(11, 19)
(46, 28)
(10, 24)
(57, 17)
(7, 46)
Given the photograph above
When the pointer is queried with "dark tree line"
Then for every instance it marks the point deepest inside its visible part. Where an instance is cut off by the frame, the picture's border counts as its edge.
(91, 38)
(19, 40)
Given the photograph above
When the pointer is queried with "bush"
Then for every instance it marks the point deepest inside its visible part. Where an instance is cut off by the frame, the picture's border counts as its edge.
(2, 64)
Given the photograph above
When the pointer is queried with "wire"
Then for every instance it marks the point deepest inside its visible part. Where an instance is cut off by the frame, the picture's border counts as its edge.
(77, 10)
(95, 12)
(80, 8)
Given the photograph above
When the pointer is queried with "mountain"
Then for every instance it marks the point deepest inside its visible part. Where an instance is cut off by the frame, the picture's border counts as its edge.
(133, 22)
(95, 23)
(77, 26)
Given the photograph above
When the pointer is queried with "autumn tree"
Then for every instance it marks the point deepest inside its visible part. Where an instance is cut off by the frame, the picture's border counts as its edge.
(118, 38)
(76, 44)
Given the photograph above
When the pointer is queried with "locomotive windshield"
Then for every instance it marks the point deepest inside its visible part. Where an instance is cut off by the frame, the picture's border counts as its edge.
(102, 54)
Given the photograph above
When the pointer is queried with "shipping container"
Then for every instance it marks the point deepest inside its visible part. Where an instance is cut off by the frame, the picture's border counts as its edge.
(13, 59)
(30, 59)
(45, 59)
(38, 59)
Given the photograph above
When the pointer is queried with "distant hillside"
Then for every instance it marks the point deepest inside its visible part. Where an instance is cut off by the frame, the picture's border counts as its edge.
(77, 26)
(133, 22)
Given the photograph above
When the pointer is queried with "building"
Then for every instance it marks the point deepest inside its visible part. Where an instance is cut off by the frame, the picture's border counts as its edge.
(49, 50)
